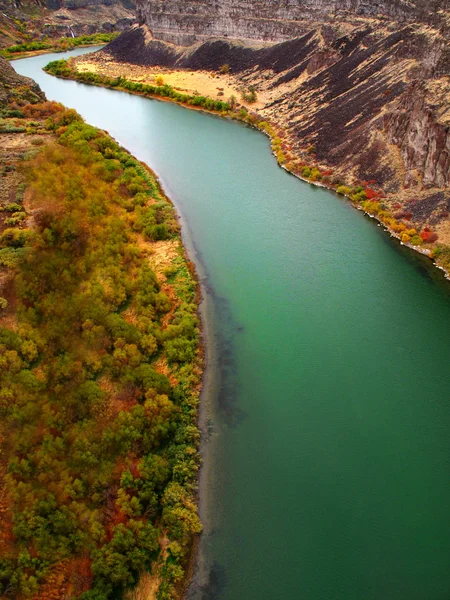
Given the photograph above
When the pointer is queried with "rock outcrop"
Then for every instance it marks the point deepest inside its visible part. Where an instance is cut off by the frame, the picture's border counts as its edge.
(422, 132)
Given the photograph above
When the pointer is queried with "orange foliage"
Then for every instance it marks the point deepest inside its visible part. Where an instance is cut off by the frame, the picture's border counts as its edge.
(56, 583)
(43, 109)
(80, 575)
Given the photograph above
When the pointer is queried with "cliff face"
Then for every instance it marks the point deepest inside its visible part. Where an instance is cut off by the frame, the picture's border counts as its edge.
(185, 22)
(421, 130)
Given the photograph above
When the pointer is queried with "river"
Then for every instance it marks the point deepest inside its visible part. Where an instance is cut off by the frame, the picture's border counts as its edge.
(327, 396)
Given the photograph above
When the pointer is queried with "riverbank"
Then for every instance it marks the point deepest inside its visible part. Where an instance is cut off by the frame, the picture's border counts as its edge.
(29, 49)
(363, 195)
(122, 310)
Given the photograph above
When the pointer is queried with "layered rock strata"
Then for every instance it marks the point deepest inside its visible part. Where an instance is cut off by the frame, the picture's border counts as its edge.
(187, 22)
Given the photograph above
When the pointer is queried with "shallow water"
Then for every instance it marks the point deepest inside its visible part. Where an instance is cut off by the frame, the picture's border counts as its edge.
(328, 394)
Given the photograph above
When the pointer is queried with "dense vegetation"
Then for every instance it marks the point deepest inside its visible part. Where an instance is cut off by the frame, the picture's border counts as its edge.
(99, 375)
(63, 68)
(58, 45)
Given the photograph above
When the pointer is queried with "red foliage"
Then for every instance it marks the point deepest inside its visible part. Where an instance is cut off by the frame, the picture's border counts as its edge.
(370, 193)
(428, 236)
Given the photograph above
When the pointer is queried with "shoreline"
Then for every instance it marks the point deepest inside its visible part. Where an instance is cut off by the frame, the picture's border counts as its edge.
(208, 383)
(423, 251)
(259, 123)
(32, 53)
(57, 45)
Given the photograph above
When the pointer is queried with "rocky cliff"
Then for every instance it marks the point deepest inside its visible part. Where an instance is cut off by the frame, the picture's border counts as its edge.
(185, 22)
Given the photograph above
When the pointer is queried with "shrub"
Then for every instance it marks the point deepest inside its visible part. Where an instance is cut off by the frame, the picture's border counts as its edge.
(180, 350)
(428, 236)
(14, 238)
(306, 172)
(371, 207)
(224, 69)
(249, 95)
(344, 190)
(315, 174)
(416, 240)
(13, 207)
(359, 196)
(232, 101)
(10, 257)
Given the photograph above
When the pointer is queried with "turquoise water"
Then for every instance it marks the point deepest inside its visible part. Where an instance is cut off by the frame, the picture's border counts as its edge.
(327, 464)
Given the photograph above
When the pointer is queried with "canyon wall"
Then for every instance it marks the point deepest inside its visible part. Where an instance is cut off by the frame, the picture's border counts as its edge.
(185, 22)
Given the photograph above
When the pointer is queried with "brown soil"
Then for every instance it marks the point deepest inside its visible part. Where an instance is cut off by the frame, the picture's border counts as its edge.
(205, 83)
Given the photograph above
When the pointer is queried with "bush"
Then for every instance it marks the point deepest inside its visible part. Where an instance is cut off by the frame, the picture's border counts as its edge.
(344, 190)
(428, 236)
(306, 172)
(249, 95)
(416, 240)
(224, 69)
